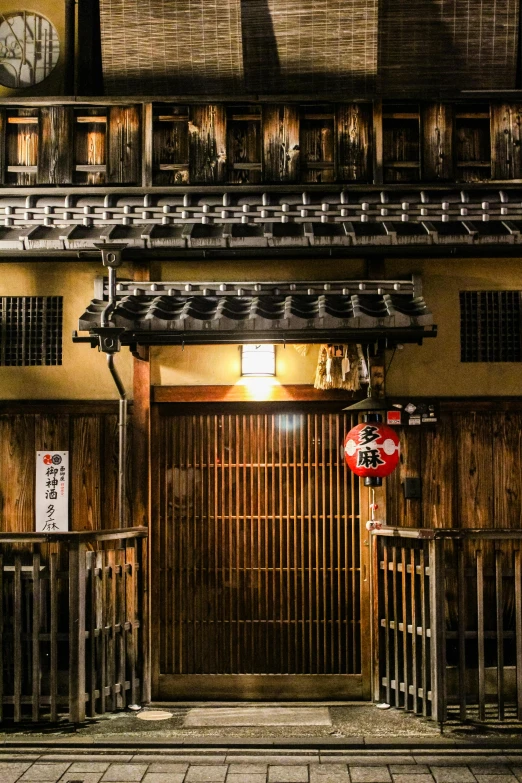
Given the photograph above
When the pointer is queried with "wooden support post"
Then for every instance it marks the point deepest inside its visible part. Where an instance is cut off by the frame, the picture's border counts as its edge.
(377, 143)
(141, 495)
(437, 598)
(77, 632)
(147, 145)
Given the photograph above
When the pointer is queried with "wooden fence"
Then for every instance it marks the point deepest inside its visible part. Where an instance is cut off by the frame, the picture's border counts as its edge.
(448, 622)
(72, 636)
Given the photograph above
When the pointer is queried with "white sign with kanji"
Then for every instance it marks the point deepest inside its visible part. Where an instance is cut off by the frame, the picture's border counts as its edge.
(52, 491)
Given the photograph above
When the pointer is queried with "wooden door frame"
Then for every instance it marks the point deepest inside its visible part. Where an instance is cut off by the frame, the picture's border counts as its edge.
(188, 395)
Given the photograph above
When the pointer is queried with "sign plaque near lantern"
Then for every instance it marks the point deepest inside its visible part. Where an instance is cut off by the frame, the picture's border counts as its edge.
(372, 451)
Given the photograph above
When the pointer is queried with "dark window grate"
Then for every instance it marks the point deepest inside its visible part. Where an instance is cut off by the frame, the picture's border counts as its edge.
(490, 326)
(31, 330)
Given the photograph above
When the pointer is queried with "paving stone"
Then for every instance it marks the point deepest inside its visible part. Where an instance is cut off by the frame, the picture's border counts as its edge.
(329, 773)
(85, 777)
(257, 716)
(369, 774)
(287, 773)
(172, 769)
(89, 766)
(247, 769)
(409, 769)
(413, 778)
(191, 759)
(45, 772)
(517, 772)
(491, 769)
(164, 777)
(10, 771)
(125, 773)
(496, 778)
(274, 759)
(67, 757)
(206, 773)
(453, 774)
(247, 777)
(381, 760)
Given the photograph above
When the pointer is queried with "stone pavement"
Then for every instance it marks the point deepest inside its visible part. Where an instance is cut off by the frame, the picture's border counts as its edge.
(251, 765)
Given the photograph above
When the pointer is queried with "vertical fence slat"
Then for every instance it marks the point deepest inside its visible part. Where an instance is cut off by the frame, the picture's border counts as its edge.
(480, 637)
(424, 639)
(404, 582)
(53, 591)
(77, 632)
(437, 631)
(395, 627)
(36, 638)
(461, 609)
(387, 624)
(518, 627)
(1, 637)
(130, 634)
(17, 640)
(91, 663)
(414, 612)
(120, 619)
(500, 631)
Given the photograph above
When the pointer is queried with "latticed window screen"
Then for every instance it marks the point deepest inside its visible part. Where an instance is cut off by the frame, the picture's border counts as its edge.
(31, 330)
(490, 326)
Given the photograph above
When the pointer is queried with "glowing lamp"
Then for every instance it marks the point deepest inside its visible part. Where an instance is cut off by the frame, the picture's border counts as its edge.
(257, 360)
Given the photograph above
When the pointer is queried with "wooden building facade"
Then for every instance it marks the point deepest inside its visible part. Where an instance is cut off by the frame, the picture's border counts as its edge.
(239, 565)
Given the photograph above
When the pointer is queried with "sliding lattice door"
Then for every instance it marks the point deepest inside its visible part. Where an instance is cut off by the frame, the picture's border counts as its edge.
(256, 557)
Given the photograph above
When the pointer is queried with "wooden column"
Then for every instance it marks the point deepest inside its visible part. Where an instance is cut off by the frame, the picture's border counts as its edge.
(141, 474)
(377, 143)
(77, 578)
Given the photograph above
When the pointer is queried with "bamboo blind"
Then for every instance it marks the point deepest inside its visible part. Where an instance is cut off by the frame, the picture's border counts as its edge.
(260, 560)
(466, 44)
(171, 46)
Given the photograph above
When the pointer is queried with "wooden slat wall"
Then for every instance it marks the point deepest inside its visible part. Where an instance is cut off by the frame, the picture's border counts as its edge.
(92, 440)
(260, 547)
(207, 144)
(124, 149)
(506, 138)
(469, 463)
(354, 142)
(437, 140)
(281, 143)
(55, 158)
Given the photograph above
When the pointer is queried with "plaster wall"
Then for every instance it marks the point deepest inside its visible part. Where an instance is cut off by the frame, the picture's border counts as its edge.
(433, 369)
(83, 374)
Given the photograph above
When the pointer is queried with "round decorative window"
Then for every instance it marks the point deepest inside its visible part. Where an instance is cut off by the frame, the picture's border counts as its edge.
(29, 49)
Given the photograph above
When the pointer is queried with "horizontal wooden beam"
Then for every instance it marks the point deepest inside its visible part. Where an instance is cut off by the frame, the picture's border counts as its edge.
(248, 393)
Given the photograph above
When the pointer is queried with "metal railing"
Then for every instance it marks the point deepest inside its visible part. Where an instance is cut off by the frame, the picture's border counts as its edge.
(72, 636)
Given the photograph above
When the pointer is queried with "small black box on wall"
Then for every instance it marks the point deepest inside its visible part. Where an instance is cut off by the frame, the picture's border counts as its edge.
(412, 488)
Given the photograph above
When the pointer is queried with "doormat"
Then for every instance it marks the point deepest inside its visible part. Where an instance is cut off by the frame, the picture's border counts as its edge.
(257, 716)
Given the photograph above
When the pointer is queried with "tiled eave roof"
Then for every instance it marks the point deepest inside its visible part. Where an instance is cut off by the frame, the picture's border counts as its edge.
(176, 222)
(175, 313)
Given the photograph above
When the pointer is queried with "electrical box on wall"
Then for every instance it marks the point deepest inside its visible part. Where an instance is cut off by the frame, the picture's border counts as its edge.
(412, 488)
(32, 44)
(413, 412)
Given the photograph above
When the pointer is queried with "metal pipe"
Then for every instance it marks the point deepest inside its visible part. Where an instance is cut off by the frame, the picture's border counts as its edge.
(109, 309)
(122, 439)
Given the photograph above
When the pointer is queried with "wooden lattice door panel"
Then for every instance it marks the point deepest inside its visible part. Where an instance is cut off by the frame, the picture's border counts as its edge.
(257, 550)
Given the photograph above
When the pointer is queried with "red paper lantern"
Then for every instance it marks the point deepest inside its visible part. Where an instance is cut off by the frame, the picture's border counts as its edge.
(372, 450)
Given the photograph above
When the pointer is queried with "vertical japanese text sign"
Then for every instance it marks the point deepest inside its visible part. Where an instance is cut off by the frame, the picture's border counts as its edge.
(52, 491)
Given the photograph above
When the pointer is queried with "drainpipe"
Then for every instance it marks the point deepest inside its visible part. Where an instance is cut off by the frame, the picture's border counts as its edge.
(109, 343)
(122, 438)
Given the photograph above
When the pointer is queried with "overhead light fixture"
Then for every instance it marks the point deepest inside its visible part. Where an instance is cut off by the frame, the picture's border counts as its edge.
(257, 361)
